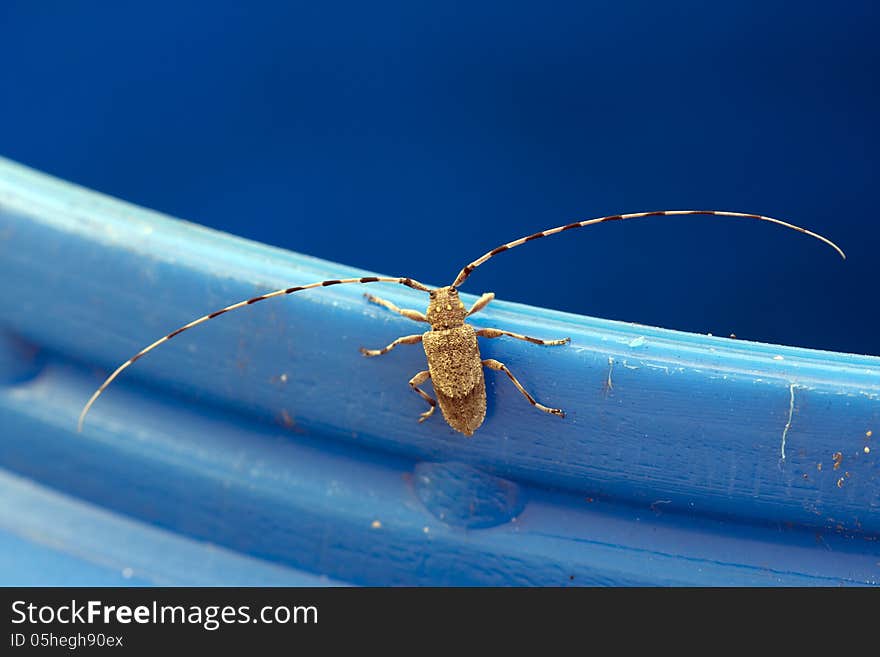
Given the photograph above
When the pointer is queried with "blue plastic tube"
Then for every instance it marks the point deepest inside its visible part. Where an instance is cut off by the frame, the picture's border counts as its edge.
(265, 437)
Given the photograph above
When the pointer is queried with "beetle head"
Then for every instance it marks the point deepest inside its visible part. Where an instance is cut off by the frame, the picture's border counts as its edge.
(445, 309)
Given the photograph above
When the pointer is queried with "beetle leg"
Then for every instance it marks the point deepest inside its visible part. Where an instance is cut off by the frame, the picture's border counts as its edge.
(407, 339)
(497, 333)
(481, 303)
(414, 383)
(414, 315)
(493, 364)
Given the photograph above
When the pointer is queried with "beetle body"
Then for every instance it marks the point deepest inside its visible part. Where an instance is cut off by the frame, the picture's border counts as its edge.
(454, 362)
(457, 373)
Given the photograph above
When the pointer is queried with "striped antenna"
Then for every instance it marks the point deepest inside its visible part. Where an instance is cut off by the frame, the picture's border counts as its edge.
(464, 273)
(241, 304)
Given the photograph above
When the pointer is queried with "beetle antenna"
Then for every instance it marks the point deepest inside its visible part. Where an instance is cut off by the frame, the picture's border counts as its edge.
(464, 273)
(241, 304)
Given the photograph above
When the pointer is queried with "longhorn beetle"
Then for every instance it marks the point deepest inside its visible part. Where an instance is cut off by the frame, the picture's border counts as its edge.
(454, 364)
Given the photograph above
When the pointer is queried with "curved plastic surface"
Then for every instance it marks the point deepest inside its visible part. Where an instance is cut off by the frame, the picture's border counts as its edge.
(266, 439)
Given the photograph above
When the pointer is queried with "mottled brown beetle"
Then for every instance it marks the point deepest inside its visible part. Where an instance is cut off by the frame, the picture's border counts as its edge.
(454, 363)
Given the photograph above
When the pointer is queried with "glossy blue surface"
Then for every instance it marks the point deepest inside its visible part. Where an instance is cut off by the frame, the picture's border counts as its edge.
(684, 458)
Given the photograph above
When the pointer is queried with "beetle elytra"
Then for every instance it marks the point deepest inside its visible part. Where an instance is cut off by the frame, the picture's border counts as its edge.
(455, 366)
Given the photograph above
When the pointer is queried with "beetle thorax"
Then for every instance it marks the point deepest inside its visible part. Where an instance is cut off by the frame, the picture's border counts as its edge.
(445, 310)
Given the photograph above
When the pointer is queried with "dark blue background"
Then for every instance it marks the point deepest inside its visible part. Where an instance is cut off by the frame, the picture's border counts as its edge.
(410, 138)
